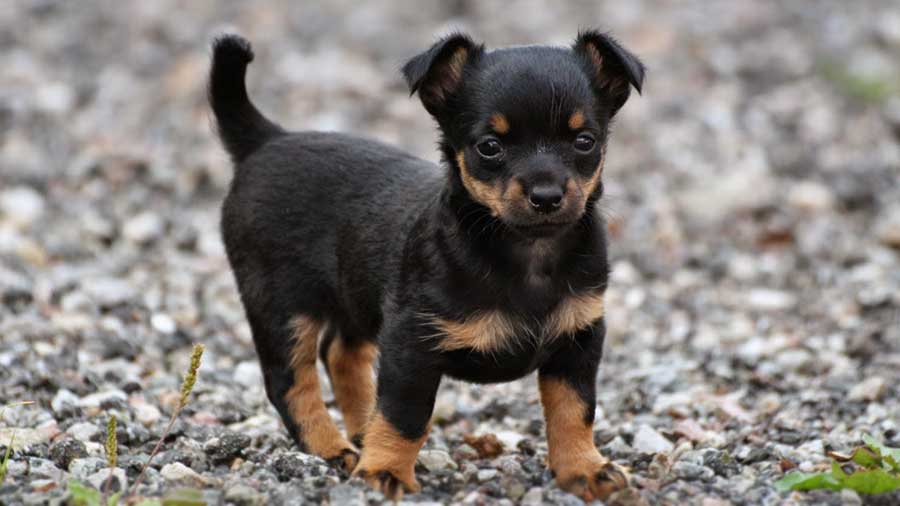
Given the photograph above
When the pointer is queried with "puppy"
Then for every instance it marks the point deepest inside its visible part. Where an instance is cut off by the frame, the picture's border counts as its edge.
(485, 268)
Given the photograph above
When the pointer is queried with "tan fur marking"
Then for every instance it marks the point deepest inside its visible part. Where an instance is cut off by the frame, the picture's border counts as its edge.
(575, 313)
(352, 379)
(596, 58)
(578, 466)
(587, 186)
(603, 80)
(499, 123)
(483, 193)
(386, 450)
(447, 82)
(569, 438)
(576, 120)
(515, 197)
(484, 332)
(304, 399)
(492, 331)
(457, 63)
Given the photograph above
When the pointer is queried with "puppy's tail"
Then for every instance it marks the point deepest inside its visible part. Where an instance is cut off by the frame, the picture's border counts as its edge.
(242, 127)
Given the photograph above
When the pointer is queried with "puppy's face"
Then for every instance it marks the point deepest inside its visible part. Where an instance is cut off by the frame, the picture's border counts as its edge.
(525, 128)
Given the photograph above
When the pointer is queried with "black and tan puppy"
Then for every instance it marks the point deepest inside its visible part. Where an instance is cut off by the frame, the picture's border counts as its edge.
(486, 268)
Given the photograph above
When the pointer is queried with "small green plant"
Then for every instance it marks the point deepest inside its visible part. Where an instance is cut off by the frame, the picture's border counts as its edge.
(874, 469)
(84, 495)
(12, 440)
(112, 454)
(871, 90)
(187, 386)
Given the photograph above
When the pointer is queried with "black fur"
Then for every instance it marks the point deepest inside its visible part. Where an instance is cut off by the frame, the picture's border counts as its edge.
(242, 128)
(377, 243)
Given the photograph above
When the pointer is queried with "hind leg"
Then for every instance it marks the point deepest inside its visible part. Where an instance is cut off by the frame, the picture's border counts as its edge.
(350, 365)
(292, 383)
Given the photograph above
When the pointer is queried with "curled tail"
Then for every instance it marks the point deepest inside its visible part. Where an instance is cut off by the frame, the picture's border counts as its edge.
(242, 127)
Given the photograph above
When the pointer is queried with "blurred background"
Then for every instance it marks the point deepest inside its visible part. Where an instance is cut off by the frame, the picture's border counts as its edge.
(753, 194)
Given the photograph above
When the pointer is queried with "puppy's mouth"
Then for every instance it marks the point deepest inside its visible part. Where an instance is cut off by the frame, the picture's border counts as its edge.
(542, 229)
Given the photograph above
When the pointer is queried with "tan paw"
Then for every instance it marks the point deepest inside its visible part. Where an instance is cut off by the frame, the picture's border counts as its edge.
(388, 483)
(595, 481)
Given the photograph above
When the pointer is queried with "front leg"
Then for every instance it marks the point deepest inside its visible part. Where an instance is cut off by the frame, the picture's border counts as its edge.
(568, 393)
(407, 386)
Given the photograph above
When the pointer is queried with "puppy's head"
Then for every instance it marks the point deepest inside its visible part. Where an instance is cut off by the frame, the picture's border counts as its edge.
(525, 128)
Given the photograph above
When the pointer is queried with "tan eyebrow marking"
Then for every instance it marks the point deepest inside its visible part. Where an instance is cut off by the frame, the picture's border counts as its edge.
(576, 120)
(499, 123)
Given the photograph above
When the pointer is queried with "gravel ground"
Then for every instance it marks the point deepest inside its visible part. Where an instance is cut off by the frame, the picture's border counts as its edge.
(754, 204)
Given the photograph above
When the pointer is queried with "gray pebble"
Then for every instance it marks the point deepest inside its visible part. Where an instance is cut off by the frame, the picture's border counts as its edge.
(64, 451)
(244, 495)
(688, 471)
(348, 494)
(226, 447)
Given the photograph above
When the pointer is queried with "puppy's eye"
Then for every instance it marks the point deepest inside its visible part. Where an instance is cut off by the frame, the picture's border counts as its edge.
(489, 148)
(584, 143)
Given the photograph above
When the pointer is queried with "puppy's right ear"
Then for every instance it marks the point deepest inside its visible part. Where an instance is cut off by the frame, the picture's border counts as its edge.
(438, 72)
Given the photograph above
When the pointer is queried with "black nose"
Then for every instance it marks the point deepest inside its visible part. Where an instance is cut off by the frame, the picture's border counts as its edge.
(545, 198)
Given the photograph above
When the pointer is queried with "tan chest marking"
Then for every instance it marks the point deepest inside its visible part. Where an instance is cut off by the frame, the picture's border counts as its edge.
(575, 313)
(483, 332)
(492, 331)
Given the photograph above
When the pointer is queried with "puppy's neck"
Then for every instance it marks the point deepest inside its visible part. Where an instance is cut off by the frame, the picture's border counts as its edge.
(535, 258)
(539, 259)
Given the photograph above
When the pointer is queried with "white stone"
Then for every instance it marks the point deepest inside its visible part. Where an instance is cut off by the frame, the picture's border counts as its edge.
(811, 196)
(96, 400)
(146, 414)
(871, 389)
(83, 431)
(666, 402)
(163, 323)
(534, 497)
(247, 374)
(24, 437)
(143, 228)
(63, 400)
(793, 359)
(887, 227)
(55, 97)
(647, 440)
(485, 475)
(511, 439)
(176, 471)
(23, 205)
(107, 292)
(766, 299)
(436, 460)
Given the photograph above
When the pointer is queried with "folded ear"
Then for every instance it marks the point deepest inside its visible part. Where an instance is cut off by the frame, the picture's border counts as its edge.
(612, 68)
(437, 73)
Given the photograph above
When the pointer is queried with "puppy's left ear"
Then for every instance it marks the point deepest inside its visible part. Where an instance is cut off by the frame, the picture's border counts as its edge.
(612, 68)
(438, 72)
